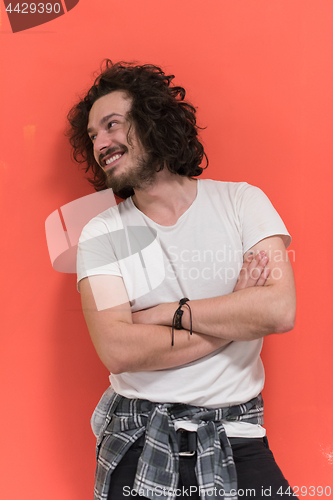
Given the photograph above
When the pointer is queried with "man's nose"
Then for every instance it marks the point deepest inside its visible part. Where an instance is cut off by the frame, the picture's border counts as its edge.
(102, 142)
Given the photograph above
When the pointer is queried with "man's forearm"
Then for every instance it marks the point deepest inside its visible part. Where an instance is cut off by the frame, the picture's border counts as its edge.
(159, 354)
(127, 347)
(135, 348)
(253, 310)
(246, 315)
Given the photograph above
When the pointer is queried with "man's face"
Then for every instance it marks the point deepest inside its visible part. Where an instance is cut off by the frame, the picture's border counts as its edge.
(125, 164)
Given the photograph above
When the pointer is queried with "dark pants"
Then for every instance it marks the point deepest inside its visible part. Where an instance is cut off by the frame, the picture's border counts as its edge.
(257, 472)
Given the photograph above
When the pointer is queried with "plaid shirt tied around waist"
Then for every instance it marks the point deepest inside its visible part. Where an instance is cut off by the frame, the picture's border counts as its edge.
(118, 422)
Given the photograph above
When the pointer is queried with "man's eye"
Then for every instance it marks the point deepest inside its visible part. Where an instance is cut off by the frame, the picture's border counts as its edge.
(92, 138)
(111, 124)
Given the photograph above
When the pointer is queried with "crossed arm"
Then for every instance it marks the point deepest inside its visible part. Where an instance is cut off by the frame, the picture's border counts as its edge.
(263, 302)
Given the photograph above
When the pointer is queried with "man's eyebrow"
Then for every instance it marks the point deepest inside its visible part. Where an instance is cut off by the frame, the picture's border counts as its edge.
(103, 120)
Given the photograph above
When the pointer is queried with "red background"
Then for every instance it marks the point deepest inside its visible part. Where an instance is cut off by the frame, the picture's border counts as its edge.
(261, 74)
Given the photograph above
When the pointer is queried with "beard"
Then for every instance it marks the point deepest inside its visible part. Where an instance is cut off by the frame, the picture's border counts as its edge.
(140, 176)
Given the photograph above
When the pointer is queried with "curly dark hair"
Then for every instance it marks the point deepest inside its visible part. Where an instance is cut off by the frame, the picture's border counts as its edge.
(165, 123)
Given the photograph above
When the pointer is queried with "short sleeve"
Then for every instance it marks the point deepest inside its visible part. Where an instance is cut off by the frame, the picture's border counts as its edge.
(96, 253)
(258, 218)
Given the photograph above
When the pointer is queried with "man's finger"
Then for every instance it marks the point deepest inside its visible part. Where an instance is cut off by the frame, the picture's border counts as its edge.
(263, 277)
(256, 268)
(244, 273)
(253, 271)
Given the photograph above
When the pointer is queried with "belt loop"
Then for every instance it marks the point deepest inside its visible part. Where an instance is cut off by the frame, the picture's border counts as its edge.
(187, 440)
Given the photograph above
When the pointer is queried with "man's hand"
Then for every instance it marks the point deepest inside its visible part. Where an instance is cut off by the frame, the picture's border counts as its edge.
(254, 271)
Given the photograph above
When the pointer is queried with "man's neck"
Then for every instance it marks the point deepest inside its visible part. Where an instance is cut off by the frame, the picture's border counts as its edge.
(167, 199)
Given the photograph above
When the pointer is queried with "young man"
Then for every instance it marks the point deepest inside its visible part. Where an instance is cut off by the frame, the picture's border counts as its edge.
(177, 295)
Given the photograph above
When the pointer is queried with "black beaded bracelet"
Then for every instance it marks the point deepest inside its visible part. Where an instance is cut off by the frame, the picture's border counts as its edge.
(177, 318)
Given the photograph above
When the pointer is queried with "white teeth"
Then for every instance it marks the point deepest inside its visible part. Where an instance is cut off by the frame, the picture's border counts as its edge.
(112, 159)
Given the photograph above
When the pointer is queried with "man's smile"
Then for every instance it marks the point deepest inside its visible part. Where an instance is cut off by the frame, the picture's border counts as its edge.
(110, 158)
(113, 158)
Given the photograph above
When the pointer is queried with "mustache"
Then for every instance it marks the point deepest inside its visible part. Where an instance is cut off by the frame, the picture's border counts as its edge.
(116, 149)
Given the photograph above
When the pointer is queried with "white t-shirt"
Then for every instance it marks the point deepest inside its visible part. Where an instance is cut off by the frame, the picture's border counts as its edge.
(199, 257)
